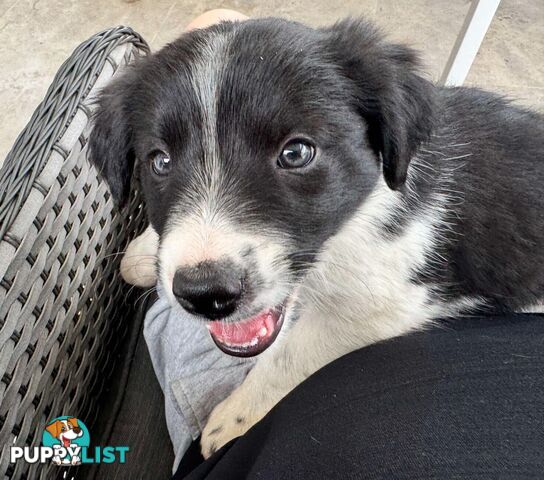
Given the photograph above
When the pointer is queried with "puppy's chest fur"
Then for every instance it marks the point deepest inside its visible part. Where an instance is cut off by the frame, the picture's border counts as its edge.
(369, 274)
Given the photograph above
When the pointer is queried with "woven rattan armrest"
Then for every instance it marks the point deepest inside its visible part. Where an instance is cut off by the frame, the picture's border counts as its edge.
(63, 306)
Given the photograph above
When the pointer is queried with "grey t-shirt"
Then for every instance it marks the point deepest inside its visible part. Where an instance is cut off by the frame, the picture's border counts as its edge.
(193, 373)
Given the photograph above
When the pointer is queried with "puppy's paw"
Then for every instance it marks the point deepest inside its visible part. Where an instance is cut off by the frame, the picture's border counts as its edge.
(139, 264)
(230, 419)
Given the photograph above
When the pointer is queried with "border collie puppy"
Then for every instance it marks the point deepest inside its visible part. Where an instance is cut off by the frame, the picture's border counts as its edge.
(312, 193)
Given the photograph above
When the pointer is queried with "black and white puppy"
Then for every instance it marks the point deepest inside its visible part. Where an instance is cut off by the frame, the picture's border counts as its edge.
(312, 194)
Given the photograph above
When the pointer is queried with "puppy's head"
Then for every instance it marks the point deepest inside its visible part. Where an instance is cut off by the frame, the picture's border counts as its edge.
(254, 142)
(65, 430)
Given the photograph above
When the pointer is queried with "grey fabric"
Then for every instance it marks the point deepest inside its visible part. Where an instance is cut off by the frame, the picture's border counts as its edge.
(193, 373)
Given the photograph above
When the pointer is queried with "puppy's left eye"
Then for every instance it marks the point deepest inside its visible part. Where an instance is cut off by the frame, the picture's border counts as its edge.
(296, 154)
(160, 163)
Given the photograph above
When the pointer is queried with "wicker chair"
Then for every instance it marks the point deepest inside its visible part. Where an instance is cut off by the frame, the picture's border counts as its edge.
(64, 310)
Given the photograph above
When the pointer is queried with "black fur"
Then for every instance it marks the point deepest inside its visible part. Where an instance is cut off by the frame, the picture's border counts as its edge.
(111, 141)
(370, 112)
(495, 247)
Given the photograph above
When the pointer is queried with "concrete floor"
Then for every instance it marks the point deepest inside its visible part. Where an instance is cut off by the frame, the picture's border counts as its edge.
(37, 35)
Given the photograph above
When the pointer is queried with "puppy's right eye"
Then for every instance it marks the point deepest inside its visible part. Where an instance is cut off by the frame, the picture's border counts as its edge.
(296, 154)
(160, 163)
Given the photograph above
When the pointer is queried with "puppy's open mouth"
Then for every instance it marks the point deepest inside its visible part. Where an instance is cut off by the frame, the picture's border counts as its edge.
(250, 336)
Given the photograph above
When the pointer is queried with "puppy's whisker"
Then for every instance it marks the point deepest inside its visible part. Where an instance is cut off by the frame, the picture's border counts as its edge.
(146, 294)
(115, 254)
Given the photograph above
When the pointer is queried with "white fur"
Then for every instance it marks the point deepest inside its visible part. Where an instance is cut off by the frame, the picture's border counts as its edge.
(139, 263)
(207, 189)
(196, 239)
(359, 292)
(537, 308)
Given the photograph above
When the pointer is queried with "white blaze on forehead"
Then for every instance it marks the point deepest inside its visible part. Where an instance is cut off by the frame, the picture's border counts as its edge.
(205, 227)
(199, 229)
(206, 78)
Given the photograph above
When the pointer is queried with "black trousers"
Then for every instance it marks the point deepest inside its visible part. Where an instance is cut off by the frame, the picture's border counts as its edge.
(464, 400)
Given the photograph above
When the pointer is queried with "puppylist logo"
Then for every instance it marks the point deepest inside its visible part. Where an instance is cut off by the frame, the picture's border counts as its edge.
(66, 441)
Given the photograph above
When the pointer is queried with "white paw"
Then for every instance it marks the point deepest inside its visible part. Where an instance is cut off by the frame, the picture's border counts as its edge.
(138, 266)
(233, 417)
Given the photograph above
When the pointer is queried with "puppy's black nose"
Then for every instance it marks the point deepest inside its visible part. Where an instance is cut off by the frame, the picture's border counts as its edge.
(209, 289)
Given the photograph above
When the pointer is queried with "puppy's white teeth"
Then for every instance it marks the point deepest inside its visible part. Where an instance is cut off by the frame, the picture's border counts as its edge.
(252, 343)
(250, 336)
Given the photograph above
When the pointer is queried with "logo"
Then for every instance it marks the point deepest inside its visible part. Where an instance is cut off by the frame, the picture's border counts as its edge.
(66, 441)
(66, 436)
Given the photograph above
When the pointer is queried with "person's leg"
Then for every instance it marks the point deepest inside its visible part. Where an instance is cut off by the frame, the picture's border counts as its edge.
(463, 401)
(215, 16)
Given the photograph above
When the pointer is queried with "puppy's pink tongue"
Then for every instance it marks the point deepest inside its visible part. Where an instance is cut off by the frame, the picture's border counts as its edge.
(246, 332)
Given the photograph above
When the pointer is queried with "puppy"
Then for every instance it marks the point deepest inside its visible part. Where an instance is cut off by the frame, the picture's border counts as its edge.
(312, 193)
(65, 431)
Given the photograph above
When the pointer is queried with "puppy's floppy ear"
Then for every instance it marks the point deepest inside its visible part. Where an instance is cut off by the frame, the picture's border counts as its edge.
(73, 421)
(397, 103)
(110, 141)
(54, 428)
